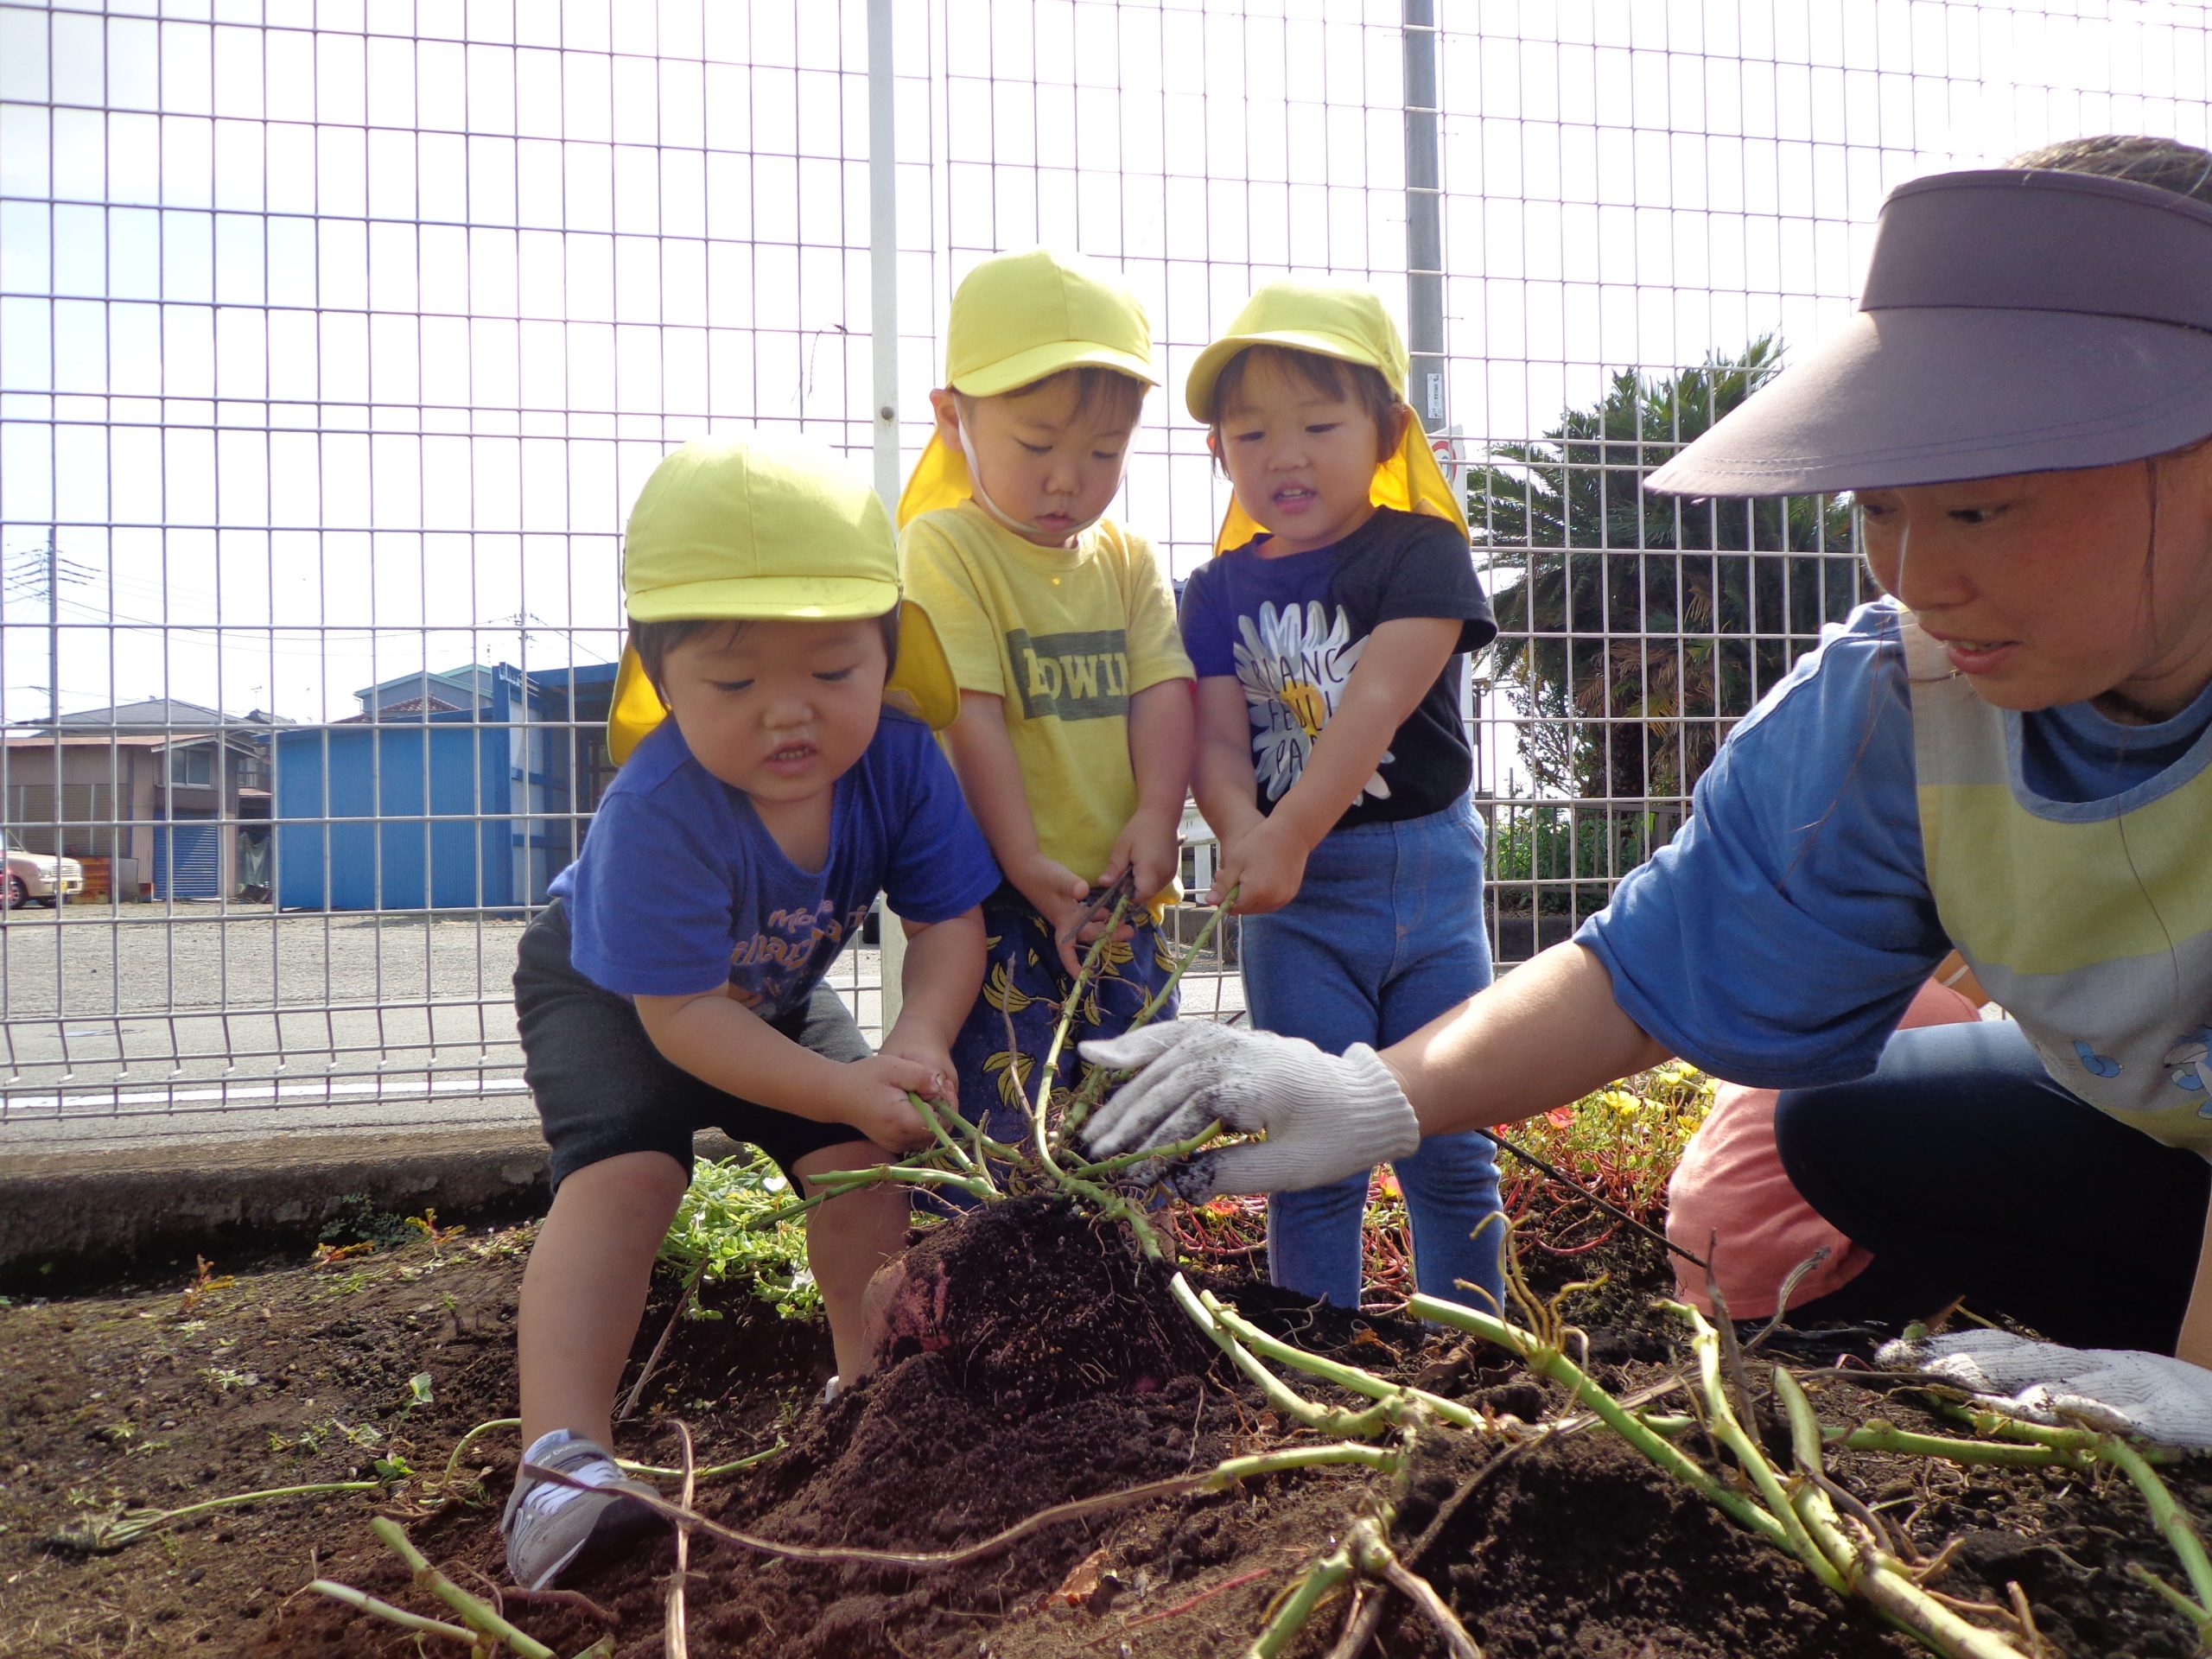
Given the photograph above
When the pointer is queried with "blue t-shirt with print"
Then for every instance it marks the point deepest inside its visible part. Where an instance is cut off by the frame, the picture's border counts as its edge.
(681, 889)
(1777, 938)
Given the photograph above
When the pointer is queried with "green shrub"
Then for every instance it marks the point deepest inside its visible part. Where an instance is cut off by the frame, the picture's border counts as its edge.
(1557, 858)
(719, 1223)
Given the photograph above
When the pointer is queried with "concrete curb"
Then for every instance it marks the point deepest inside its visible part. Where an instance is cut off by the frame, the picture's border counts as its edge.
(81, 1216)
(88, 1217)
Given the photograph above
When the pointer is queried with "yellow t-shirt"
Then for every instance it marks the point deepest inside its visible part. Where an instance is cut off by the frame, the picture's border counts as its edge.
(1066, 636)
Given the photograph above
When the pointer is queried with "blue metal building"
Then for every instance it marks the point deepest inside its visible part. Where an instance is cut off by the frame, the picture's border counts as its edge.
(415, 804)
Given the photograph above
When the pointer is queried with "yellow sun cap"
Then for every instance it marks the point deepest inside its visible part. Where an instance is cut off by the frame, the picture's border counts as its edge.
(1016, 319)
(751, 527)
(1347, 323)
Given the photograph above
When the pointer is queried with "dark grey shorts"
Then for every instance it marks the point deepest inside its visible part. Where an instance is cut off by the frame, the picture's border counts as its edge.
(602, 1088)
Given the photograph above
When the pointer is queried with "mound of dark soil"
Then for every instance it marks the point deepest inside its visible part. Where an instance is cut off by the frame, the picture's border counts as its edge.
(1573, 1548)
(1033, 1303)
(1049, 1370)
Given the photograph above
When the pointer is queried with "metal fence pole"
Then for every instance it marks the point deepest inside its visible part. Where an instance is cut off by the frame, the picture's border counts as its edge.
(1424, 218)
(883, 293)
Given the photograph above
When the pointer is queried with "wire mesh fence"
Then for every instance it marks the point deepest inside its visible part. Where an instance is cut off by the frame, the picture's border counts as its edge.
(336, 338)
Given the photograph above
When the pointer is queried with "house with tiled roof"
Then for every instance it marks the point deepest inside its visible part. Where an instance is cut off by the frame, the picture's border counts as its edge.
(158, 798)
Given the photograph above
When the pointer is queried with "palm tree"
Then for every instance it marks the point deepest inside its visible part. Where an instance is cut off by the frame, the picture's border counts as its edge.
(1635, 629)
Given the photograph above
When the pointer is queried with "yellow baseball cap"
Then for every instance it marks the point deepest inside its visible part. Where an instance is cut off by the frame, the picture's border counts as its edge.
(1348, 323)
(1017, 318)
(752, 527)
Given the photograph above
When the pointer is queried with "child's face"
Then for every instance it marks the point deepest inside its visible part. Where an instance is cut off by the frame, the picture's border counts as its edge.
(778, 710)
(1040, 459)
(1301, 459)
(2045, 589)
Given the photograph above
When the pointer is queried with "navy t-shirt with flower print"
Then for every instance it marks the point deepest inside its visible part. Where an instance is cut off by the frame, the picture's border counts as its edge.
(1291, 631)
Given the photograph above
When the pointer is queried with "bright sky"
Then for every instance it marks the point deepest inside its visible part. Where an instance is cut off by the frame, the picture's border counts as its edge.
(337, 337)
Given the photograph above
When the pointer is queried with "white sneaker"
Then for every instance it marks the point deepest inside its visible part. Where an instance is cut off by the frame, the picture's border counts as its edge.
(551, 1528)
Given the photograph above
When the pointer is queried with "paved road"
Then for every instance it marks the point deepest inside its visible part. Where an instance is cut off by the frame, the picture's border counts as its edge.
(138, 1024)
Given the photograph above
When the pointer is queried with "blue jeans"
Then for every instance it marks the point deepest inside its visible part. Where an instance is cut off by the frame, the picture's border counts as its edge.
(1966, 1170)
(1385, 934)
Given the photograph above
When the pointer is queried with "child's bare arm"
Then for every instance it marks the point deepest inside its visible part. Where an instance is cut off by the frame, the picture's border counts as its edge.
(939, 985)
(1163, 735)
(721, 1041)
(1402, 659)
(991, 777)
(1223, 778)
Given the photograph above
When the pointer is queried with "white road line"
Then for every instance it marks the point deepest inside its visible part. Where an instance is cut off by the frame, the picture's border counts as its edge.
(378, 1088)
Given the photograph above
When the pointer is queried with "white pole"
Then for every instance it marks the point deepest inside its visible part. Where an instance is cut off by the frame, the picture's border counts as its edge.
(883, 335)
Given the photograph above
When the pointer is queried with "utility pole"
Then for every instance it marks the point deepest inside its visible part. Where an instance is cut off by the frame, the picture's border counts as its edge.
(54, 639)
(41, 571)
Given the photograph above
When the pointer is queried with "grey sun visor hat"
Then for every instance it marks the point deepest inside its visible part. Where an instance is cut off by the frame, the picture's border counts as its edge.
(2013, 320)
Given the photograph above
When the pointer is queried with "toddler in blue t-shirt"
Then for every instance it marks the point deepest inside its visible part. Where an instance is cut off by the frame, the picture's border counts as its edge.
(766, 796)
(1332, 762)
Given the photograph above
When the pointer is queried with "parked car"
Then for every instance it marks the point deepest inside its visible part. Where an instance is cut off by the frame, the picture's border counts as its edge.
(39, 877)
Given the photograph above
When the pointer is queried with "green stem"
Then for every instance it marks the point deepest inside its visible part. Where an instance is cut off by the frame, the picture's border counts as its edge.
(2073, 1446)
(1880, 1436)
(2001, 1426)
(2169, 1519)
(1040, 1119)
(1174, 1152)
(1206, 937)
(790, 1212)
(2173, 1598)
(479, 1614)
(361, 1601)
(1302, 1457)
(832, 1183)
(1086, 1099)
(1705, 1343)
(1325, 1576)
(1884, 1583)
(1005, 1151)
(452, 1463)
(1280, 1394)
(2088, 1442)
(1373, 1558)
(713, 1471)
(1888, 1586)
(1158, 1001)
(1807, 1442)
(1344, 1375)
(927, 1111)
(1044, 1133)
(844, 1180)
(1551, 1362)
(320, 1490)
(1108, 1202)
(134, 1524)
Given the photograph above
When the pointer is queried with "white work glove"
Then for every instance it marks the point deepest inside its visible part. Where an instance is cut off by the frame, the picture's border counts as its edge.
(1324, 1117)
(2118, 1389)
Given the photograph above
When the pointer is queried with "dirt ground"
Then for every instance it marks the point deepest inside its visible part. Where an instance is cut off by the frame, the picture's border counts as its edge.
(1056, 1387)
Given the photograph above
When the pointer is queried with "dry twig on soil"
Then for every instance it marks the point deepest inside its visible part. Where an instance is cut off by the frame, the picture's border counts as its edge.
(677, 1643)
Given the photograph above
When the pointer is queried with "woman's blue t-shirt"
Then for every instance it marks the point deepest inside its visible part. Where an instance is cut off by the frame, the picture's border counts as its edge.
(681, 889)
(1777, 938)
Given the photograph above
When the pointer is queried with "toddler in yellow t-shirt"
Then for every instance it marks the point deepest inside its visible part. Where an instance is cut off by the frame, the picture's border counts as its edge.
(1076, 731)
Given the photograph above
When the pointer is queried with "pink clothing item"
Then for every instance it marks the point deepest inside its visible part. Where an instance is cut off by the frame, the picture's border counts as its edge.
(1731, 1187)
